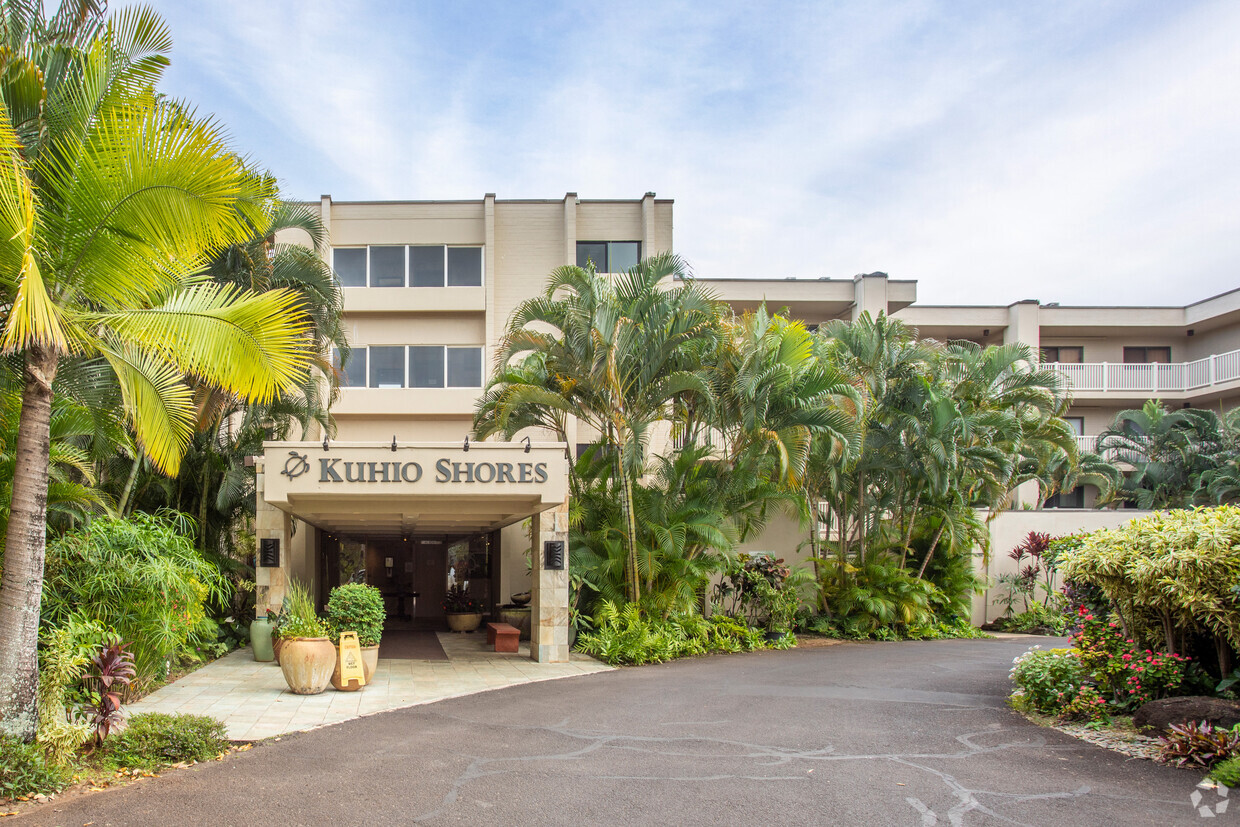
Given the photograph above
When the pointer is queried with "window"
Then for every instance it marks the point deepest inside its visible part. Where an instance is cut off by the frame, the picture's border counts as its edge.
(426, 367)
(1147, 355)
(1077, 423)
(414, 266)
(1067, 499)
(353, 372)
(1073, 355)
(387, 367)
(464, 266)
(464, 367)
(426, 266)
(387, 266)
(609, 256)
(350, 266)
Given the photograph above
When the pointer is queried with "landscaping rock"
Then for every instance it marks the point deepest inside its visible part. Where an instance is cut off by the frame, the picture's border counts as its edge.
(1159, 715)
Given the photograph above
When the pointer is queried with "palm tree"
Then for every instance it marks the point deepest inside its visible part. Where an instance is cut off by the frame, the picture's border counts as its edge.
(111, 199)
(614, 352)
(1169, 451)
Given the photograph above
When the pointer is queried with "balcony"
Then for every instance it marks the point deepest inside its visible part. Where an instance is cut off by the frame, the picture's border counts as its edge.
(1152, 379)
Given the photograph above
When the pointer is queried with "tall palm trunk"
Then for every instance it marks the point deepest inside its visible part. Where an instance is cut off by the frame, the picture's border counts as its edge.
(933, 545)
(21, 592)
(630, 528)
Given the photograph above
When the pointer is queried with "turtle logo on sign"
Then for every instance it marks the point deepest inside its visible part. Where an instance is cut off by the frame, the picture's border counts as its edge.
(296, 465)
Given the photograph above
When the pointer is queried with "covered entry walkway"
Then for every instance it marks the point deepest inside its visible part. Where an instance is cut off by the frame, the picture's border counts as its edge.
(414, 519)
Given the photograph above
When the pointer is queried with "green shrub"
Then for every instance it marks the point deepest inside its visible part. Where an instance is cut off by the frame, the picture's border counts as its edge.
(1178, 567)
(1048, 680)
(1128, 675)
(624, 636)
(25, 770)
(1038, 618)
(156, 739)
(139, 576)
(356, 607)
(1227, 772)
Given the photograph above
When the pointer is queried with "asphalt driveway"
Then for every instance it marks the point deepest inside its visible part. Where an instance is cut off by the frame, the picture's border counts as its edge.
(864, 734)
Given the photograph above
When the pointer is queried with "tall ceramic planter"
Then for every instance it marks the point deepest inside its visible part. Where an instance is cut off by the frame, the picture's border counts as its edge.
(464, 621)
(370, 661)
(260, 639)
(307, 664)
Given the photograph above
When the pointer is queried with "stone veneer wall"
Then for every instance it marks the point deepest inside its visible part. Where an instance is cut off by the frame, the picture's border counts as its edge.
(549, 615)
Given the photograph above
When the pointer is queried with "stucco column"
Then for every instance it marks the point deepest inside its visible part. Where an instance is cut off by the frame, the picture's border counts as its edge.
(269, 523)
(648, 225)
(570, 228)
(1023, 327)
(549, 612)
(869, 295)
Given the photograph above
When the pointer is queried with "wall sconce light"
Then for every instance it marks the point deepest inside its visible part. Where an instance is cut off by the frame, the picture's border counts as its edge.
(526, 440)
(393, 443)
(466, 448)
(324, 443)
(388, 563)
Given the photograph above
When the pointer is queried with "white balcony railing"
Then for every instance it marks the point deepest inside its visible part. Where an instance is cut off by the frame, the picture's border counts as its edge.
(1152, 378)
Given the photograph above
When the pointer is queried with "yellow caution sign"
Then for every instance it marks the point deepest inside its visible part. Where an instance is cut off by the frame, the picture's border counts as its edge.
(352, 675)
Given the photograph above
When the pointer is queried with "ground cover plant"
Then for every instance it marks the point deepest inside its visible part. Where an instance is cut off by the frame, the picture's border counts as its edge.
(154, 739)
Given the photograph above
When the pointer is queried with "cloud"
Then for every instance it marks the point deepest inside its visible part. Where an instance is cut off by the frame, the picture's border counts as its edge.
(993, 152)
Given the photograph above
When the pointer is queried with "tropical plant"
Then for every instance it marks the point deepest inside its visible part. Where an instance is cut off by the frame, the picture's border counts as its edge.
(1194, 744)
(356, 607)
(65, 653)
(1048, 681)
(1177, 567)
(111, 673)
(111, 200)
(25, 770)
(1178, 457)
(1227, 772)
(623, 635)
(458, 600)
(140, 577)
(616, 352)
(300, 618)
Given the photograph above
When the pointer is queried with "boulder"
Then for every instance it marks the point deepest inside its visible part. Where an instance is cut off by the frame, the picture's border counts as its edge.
(1158, 715)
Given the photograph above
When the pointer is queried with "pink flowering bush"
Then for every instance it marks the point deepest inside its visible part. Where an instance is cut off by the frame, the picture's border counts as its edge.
(1128, 674)
(1055, 682)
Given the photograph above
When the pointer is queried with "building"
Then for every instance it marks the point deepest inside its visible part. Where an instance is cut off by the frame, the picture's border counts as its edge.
(401, 493)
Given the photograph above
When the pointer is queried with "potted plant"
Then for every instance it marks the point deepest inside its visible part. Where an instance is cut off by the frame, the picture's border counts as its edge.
(308, 657)
(461, 610)
(356, 607)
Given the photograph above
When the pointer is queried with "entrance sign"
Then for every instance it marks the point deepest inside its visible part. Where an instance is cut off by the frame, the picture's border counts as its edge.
(352, 675)
(367, 472)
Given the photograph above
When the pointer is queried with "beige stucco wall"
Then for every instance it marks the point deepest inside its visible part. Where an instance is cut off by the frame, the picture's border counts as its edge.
(1010, 528)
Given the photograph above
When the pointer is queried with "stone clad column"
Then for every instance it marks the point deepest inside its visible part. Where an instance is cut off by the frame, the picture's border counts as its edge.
(549, 606)
(269, 523)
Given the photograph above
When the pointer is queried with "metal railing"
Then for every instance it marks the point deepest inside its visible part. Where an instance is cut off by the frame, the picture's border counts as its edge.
(1151, 378)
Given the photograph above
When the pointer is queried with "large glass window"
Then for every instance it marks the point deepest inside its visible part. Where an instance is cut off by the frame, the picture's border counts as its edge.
(350, 266)
(464, 367)
(464, 266)
(353, 371)
(387, 367)
(387, 266)
(426, 266)
(609, 256)
(426, 366)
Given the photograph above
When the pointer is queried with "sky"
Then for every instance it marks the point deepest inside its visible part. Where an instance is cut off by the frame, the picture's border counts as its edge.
(1080, 152)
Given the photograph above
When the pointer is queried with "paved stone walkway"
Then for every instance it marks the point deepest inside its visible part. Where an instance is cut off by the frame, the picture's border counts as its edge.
(253, 700)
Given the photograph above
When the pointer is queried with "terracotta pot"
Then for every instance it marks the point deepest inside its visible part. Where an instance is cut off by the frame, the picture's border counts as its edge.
(464, 621)
(370, 661)
(520, 618)
(277, 643)
(307, 664)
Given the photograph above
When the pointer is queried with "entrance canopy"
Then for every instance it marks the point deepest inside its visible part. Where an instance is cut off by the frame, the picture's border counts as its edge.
(390, 489)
